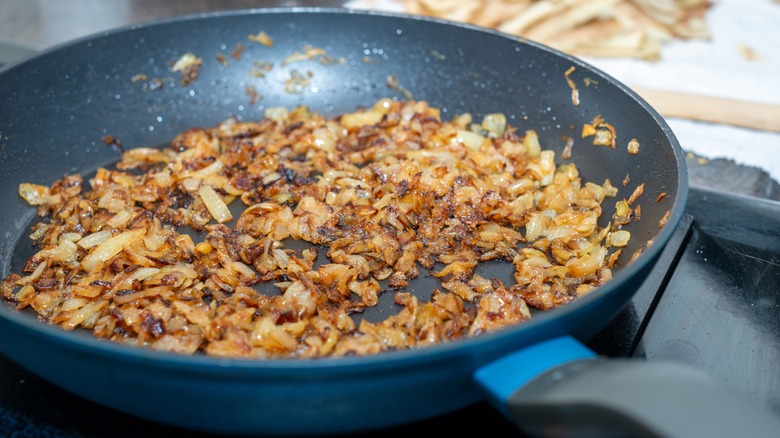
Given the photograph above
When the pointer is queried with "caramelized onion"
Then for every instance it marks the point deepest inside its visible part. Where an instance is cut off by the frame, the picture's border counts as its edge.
(381, 195)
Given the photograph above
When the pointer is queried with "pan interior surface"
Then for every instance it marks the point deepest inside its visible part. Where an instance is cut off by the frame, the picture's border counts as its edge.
(60, 106)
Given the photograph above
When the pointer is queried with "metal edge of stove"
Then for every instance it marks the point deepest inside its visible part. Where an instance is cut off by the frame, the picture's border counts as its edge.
(720, 310)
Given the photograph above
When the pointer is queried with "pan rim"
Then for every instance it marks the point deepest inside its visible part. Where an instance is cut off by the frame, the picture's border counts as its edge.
(540, 322)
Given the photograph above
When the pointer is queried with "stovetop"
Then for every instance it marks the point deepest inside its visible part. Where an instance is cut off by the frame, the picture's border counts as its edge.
(713, 302)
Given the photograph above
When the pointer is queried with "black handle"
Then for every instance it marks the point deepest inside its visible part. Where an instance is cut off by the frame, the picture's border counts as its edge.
(635, 398)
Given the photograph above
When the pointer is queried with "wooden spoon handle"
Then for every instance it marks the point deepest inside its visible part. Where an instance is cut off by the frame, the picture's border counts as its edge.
(755, 115)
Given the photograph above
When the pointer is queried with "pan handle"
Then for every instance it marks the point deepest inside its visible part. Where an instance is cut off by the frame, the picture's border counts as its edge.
(563, 389)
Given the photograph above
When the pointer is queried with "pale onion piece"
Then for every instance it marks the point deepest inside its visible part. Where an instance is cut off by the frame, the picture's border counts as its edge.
(283, 198)
(547, 166)
(462, 121)
(155, 240)
(332, 175)
(383, 105)
(195, 314)
(262, 38)
(366, 290)
(269, 336)
(301, 298)
(361, 118)
(584, 289)
(460, 289)
(24, 292)
(308, 53)
(33, 276)
(521, 186)
(295, 328)
(281, 258)
(599, 253)
(597, 191)
(180, 268)
(73, 303)
(536, 226)
(209, 170)
(619, 238)
(34, 194)
(110, 248)
(139, 274)
(271, 178)
(383, 202)
(562, 232)
(64, 252)
(184, 344)
(94, 239)
(633, 146)
(86, 291)
(70, 237)
(186, 61)
(83, 314)
(283, 285)
(243, 269)
(494, 124)
(118, 202)
(120, 219)
(582, 266)
(39, 233)
(609, 189)
(149, 155)
(163, 178)
(604, 137)
(622, 211)
(471, 140)
(204, 248)
(105, 200)
(190, 184)
(277, 114)
(215, 205)
(531, 143)
(324, 139)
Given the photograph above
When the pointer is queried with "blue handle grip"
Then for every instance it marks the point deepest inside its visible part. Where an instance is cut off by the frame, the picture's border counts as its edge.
(561, 388)
(503, 377)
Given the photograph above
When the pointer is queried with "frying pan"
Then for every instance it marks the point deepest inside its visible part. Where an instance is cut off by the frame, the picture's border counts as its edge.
(56, 108)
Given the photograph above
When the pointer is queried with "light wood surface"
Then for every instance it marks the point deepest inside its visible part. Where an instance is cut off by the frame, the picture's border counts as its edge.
(754, 115)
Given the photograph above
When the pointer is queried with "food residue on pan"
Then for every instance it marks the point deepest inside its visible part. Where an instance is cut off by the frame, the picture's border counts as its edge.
(254, 95)
(575, 93)
(639, 191)
(437, 55)
(392, 83)
(114, 142)
(381, 193)
(238, 51)
(188, 66)
(298, 81)
(312, 53)
(262, 38)
(567, 147)
(633, 146)
(261, 68)
(662, 222)
(602, 132)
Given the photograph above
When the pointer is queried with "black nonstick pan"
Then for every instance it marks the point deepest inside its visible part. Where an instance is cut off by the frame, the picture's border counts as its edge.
(56, 109)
